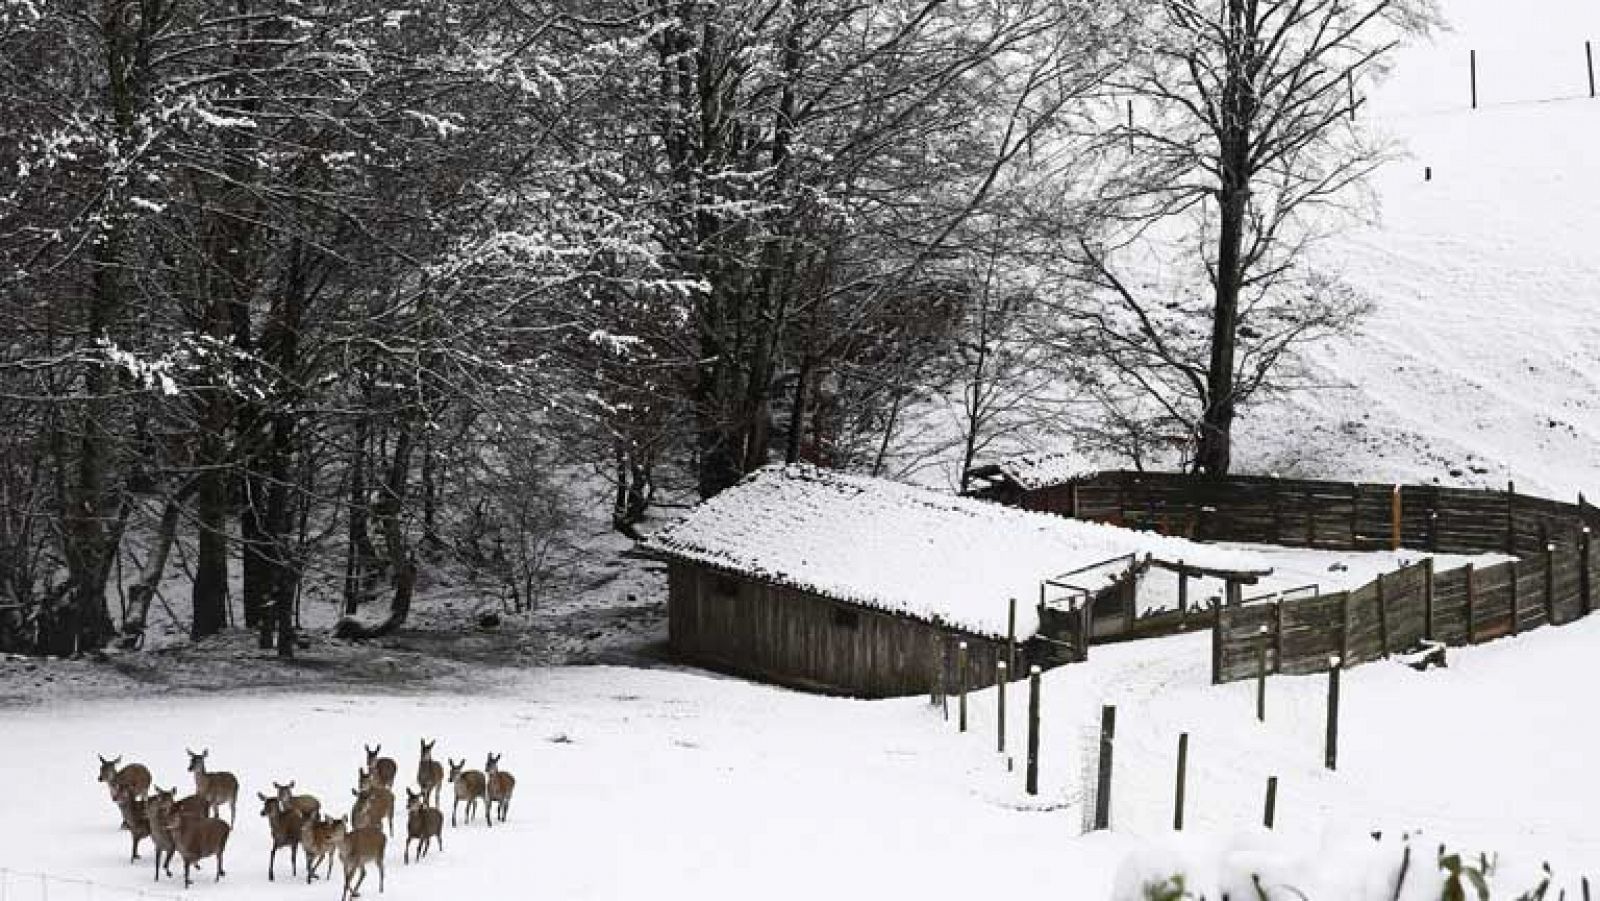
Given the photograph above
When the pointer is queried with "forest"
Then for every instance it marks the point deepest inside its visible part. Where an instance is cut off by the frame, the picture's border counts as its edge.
(327, 292)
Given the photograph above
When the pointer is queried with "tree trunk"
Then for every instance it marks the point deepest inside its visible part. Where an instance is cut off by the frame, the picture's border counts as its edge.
(144, 591)
(1213, 455)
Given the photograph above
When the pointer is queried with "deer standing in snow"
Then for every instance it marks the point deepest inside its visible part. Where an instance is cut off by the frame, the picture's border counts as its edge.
(197, 838)
(430, 775)
(305, 805)
(357, 848)
(319, 842)
(132, 780)
(285, 824)
(498, 787)
(424, 825)
(217, 788)
(469, 788)
(374, 804)
(134, 819)
(159, 811)
(381, 767)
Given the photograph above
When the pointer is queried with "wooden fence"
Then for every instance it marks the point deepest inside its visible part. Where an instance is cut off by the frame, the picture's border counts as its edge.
(1320, 514)
(1403, 609)
(1549, 583)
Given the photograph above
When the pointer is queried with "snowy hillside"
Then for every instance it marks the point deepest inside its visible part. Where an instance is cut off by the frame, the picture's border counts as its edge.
(1481, 361)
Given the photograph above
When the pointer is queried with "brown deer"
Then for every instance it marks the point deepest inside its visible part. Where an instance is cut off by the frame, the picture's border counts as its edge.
(498, 786)
(382, 767)
(285, 824)
(374, 805)
(319, 841)
(424, 825)
(217, 788)
(134, 819)
(357, 848)
(133, 778)
(159, 811)
(469, 787)
(197, 838)
(305, 805)
(430, 775)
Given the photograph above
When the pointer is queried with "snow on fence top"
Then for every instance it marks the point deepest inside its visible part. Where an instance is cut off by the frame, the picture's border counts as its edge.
(1033, 471)
(904, 549)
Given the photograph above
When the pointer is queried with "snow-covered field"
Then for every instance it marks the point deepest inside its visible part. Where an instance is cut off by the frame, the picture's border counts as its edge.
(636, 783)
(1481, 361)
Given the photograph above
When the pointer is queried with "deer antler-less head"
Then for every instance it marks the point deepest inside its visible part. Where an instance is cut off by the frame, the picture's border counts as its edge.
(455, 768)
(492, 765)
(197, 762)
(413, 800)
(108, 768)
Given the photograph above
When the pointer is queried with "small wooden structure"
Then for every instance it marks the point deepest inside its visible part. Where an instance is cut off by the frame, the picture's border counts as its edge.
(851, 585)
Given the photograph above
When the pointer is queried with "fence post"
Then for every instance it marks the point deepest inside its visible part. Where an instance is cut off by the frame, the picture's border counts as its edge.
(1130, 591)
(1473, 63)
(1272, 801)
(1330, 757)
(1383, 619)
(1002, 675)
(1588, 56)
(935, 678)
(1511, 518)
(1183, 598)
(1583, 571)
(1216, 643)
(1344, 626)
(1183, 774)
(1085, 624)
(1102, 796)
(1261, 675)
(1277, 636)
(1011, 635)
(1394, 520)
(1472, 604)
(1516, 602)
(1033, 730)
(961, 682)
(1427, 599)
(1550, 583)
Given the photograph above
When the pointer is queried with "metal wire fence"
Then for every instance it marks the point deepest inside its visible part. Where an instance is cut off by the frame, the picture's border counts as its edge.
(18, 885)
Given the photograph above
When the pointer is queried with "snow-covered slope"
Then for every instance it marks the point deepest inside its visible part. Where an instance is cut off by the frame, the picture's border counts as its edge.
(1481, 361)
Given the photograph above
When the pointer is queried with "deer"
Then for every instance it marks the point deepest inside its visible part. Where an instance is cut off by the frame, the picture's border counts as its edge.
(134, 819)
(285, 824)
(430, 775)
(197, 838)
(374, 805)
(305, 805)
(217, 788)
(382, 767)
(318, 840)
(469, 787)
(133, 778)
(158, 812)
(498, 788)
(424, 825)
(357, 848)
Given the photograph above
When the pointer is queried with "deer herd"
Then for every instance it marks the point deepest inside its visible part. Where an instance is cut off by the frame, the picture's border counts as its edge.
(192, 827)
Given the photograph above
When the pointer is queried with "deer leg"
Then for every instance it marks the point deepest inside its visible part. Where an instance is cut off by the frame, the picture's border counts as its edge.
(380, 875)
(272, 860)
(453, 805)
(294, 850)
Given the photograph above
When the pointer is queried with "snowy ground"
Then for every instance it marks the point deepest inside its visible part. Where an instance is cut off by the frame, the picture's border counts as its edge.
(670, 784)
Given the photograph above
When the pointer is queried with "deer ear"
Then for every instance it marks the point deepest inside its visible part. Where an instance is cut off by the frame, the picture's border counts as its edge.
(354, 792)
(264, 798)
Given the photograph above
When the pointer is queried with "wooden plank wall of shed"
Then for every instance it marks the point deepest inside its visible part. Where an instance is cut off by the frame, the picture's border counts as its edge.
(795, 638)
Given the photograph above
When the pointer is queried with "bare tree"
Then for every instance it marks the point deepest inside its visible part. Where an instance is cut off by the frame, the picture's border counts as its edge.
(1247, 147)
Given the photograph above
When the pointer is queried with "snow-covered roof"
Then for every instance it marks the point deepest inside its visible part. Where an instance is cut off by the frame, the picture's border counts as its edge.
(1032, 471)
(903, 548)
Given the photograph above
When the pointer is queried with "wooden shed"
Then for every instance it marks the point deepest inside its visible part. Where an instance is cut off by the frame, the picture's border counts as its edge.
(861, 586)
